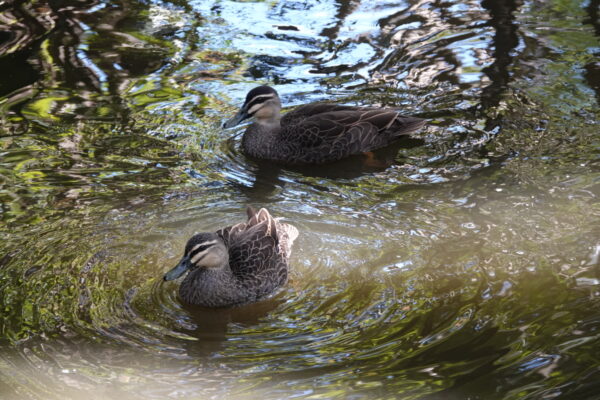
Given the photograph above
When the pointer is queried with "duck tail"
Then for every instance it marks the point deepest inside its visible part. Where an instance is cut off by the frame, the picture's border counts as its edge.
(291, 232)
(263, 218)
(405, 125)
(250, 212)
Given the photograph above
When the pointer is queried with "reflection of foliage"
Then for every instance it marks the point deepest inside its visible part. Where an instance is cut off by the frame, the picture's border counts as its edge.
(91, 61)
(544, 113)
(118, 106)
(125, 63)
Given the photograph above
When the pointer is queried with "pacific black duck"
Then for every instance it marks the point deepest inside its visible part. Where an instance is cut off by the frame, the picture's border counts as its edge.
(316, 133)
(236, 265)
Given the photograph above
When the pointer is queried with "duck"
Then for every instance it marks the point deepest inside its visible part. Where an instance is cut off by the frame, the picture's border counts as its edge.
(237, 265)
(316, 133)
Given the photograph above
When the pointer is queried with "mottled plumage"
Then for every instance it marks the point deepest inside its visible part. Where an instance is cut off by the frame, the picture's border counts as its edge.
(316, 133)
(236, 265)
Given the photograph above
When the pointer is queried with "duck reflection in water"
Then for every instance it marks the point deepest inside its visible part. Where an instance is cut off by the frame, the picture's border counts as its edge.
(212, 326)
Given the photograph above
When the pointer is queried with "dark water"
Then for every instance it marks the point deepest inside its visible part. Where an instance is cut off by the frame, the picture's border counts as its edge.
(465, 266)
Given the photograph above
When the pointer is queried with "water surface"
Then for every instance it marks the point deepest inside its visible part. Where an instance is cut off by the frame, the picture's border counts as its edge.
(464, 265)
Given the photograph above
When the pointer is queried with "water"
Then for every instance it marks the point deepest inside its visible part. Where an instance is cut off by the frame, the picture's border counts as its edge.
(464, 265)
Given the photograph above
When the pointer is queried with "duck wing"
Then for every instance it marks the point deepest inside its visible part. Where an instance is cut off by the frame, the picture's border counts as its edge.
(301, 113)
(334, 134)
(256, 252)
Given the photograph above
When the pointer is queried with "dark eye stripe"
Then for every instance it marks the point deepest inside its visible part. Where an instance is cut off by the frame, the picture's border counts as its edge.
(199, 249)
(257, 100)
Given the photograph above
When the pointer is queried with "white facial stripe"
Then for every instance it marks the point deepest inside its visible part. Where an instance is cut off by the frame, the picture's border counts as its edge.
(202, 244)
(255, 108)
(198, 256)
(260, 96)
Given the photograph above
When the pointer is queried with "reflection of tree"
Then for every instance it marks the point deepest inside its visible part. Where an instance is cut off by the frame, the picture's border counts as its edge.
(438, 60)
(505, 40)
(86, 72)
(78, 60)
(593, 10)
(345, 8)
(20, 35)
(592, 73)
(423, 64)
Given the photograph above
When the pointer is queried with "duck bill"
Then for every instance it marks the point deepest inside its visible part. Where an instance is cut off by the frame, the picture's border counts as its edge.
(180, 269)
(237, 118)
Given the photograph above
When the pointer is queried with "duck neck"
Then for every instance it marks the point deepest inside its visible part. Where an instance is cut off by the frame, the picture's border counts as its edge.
(272, 122)
(261, 137)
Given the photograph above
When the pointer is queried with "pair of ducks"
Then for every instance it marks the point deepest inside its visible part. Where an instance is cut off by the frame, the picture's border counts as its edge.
(246, 262)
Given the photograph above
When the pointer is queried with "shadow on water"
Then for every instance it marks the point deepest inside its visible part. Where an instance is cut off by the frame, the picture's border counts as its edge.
(267, 175)
(213, 326)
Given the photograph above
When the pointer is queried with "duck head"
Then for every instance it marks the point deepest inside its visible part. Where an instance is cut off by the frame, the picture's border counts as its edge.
(262, 103)
(203, 250)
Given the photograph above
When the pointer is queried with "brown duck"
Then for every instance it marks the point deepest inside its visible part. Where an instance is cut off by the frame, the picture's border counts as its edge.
(316, 133)
(236, 265)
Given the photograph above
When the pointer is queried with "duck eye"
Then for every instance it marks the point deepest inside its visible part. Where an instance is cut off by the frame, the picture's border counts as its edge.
(199, 248)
